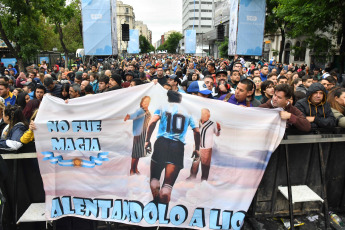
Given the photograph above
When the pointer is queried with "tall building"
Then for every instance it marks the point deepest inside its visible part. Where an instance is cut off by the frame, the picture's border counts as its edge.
(150, 36)
(143, 30)
(199, 14)
(167, 34)
(124, 15)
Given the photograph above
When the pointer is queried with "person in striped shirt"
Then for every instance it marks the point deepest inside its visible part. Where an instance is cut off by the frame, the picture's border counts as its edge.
(207, 129)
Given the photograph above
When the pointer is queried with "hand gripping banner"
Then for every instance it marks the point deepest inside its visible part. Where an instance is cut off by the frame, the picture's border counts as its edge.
(151, 157)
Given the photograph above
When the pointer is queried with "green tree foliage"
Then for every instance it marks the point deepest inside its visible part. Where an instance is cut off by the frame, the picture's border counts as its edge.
(171, 43)
(318, 20)
(274, 24)
(20, 27)
(66, 19)
(29, 26)
(144, 44)
(223, 47)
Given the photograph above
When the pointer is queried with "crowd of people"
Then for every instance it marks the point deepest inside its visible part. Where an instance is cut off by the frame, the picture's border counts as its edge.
(309, 96)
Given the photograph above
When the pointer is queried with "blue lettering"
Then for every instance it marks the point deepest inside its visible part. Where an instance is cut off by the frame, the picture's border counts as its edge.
(125, 211)
(214, 219)
(56, 208)
(105, 205)
(56, 126)
(198, 218)
(150, 213)
(237, 220)
(58, 144)
(79, 206)
(226, 217)
(162, 213)
(178, 215)
(91, 207)
(136, 210)
(79, 144)
(69, 144)
(52, 126)
(86, 126)
(117, 210)
(95, 146)
(67, 205)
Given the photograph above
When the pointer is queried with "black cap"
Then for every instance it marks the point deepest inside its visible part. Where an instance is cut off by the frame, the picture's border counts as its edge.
(222, 71)
(130, 73)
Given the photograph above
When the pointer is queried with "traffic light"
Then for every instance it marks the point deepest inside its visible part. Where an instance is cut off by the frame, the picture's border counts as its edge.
(125, 32)
(220, 32)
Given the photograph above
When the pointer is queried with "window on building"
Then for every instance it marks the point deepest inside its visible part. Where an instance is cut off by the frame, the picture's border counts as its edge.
(127, 18)
(203, 26)
(297, 50)
(127, 10)
(206, 18)
(303, 51)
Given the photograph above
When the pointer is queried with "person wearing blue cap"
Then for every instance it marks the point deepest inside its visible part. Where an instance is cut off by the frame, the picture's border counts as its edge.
(199, 88)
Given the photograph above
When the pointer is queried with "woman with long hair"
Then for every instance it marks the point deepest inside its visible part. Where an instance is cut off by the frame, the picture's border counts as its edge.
(65, 91)
(141, 118)
(17, 125)
(22, 99)
(30, 108)
(336, 98)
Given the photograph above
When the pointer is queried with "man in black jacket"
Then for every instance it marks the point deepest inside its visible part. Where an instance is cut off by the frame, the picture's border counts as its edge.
(315, 107)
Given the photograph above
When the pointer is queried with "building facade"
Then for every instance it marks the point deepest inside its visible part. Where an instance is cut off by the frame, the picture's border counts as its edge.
(143, 30)
(124, 15)
(197, 13)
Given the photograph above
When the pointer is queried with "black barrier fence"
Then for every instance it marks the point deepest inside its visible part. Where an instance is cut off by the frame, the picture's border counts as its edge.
(304, 168)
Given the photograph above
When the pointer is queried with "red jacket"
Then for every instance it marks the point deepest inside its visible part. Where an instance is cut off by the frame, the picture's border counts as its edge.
(297, 118)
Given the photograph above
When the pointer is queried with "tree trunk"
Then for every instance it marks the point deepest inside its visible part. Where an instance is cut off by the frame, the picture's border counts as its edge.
(58, 25)
(81, 30)
(342, 47)
(20, 64)
(282, 45)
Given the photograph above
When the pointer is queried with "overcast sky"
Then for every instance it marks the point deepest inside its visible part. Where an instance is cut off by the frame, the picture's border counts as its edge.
(159, 15)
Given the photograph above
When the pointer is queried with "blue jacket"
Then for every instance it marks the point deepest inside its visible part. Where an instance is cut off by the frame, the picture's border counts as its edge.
(263, 77)
(12, 141)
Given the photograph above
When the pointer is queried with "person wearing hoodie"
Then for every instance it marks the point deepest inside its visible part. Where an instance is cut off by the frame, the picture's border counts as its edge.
(294, 117)
(316, 108)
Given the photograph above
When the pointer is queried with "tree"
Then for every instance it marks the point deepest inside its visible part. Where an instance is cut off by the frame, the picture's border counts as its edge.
(145, 46)
(318, 19)
(20, 28)
(61, 15)
(223, 47)
(172, 42)
(162, 47)
(275, 24)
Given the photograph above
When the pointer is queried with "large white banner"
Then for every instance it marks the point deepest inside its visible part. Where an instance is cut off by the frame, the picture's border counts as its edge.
(95, 161)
